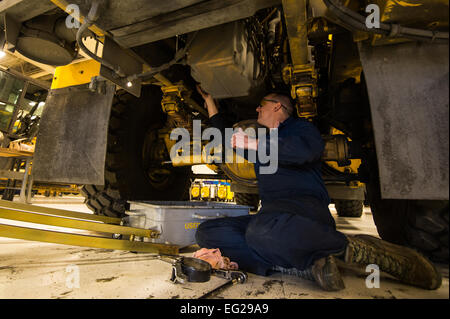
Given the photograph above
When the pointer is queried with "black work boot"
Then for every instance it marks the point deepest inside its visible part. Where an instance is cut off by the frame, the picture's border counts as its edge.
(327, 274)
(405, 264)
(324, 271)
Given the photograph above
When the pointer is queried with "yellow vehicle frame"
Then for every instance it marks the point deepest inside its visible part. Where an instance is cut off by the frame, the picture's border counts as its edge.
(75, 220)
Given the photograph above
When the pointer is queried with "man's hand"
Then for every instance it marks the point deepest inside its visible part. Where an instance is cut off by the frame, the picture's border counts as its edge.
(242, 140)
(210, 105)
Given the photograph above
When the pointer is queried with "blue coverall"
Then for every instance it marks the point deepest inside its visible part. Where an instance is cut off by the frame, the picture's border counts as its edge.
(294, 226)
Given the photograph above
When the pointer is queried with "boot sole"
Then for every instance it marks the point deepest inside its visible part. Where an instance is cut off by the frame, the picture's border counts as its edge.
(327, 275)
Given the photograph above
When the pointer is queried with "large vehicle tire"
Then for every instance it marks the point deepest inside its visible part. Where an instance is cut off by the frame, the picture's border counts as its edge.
(129, 171)
(251, 200)
(419, 224)
(349, 208)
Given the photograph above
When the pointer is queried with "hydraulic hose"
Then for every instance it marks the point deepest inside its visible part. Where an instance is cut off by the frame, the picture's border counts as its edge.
(356, 21)
(93, 15)
(178, 56)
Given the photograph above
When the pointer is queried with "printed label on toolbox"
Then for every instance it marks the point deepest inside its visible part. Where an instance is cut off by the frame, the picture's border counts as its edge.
(191, 225)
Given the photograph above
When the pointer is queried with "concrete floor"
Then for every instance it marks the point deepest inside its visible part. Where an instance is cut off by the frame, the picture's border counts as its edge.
(41, 270)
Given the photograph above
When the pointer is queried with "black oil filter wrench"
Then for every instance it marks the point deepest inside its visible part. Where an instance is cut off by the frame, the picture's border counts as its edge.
(188, 269)
(192, 269)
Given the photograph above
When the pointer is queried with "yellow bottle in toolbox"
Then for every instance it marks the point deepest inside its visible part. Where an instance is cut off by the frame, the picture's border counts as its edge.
(222, 192)
(195, 191)
(205, 192)
(230, 194)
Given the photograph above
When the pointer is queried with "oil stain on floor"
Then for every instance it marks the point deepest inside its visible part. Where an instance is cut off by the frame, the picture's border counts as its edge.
(106, 279)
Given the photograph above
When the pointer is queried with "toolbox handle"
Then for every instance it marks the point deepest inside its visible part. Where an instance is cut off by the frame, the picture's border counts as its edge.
(197, 216)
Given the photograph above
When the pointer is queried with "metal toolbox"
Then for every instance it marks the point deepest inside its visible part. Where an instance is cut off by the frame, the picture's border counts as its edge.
(177, 222)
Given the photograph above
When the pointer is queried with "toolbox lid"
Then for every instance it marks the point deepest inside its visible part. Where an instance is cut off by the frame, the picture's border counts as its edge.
(183, 205)
(185, 210)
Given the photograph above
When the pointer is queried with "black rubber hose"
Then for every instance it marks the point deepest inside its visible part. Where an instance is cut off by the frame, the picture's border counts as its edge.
(178, 56)
(356, 21)
(89, 21)
(93, 15)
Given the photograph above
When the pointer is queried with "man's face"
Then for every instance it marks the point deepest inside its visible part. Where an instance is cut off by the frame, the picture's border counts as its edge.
(266, 110)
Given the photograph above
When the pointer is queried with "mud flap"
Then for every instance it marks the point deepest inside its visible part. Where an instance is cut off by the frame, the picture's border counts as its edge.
(408, 87)
(72, 139)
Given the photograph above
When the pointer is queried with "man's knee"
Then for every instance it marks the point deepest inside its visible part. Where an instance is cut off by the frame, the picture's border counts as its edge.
(222, 232)
(205, 233)
(258, 235)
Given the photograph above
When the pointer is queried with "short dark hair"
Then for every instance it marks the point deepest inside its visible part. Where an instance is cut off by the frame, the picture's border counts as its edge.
(284, 100)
